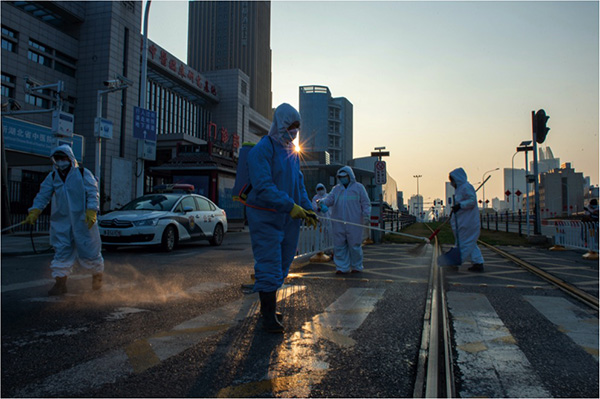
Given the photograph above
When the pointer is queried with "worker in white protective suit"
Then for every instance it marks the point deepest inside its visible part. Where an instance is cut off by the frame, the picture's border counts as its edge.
(349, 202)
(324, 223)
(465, 222)
(73, 230)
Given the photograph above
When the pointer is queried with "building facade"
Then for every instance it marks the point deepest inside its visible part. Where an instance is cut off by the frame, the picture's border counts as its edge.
(224, 35)
(561, 192)
(326, 123)
(201, 118)
(82, 45)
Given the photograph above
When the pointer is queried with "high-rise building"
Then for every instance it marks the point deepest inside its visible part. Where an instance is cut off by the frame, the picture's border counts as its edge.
(224, 35)
(326, 123)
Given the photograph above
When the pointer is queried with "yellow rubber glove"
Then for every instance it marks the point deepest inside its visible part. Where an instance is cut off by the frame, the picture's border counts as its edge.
(90, 217)
(33, 215)
(311, 218)
(298, 212)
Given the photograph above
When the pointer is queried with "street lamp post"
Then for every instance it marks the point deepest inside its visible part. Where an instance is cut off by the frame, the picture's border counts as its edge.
(140, 160)
(525, 147)
(483, 180)
(513, 181)
(418, 202)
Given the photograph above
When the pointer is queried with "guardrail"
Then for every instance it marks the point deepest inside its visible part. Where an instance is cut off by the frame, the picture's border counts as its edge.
(314, 240)
(510, 222)
(575, 234)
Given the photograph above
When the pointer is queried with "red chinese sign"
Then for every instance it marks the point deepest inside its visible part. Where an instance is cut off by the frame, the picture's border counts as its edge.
(183, 71)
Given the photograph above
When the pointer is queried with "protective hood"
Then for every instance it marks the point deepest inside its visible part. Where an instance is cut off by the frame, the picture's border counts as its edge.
(321, 186)
(284, 116)
(65, 148)
(460, 176)
(348, 170)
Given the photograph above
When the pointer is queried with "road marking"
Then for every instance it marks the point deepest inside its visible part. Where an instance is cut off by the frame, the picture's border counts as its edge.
(302, 356)
(121, 313)
(143, 354)
(491, 363)
(575, 322)
(39, 283)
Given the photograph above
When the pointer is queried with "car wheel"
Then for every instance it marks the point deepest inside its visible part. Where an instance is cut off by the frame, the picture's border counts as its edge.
(218, 235)
(169, 239)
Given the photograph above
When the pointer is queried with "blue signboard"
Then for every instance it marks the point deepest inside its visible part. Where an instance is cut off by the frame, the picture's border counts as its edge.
(144, 124)
(36, 139)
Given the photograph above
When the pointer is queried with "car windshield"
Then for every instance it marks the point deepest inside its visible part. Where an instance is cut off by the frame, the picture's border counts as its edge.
(152, 202)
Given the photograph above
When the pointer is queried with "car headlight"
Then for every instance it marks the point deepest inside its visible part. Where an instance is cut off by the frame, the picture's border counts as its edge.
(146, 222)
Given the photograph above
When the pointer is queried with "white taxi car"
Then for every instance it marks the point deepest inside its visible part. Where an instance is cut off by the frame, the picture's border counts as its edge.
(163, 219)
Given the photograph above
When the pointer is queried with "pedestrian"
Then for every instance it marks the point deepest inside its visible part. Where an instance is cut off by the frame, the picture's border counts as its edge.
(349, 202)
(73, 230)
(465, 222)
(275, 206)
(591, 211)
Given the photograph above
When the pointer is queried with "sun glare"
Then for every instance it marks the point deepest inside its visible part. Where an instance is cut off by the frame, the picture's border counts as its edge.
(297, 144)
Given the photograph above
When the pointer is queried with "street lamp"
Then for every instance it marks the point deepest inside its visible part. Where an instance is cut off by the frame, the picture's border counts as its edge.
(512, 170)
(526, 146)
(418, 202)
(483, 180)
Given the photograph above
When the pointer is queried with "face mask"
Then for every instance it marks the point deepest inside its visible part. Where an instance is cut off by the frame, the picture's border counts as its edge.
(293, 133)
(62, 165)
(320, 192)
(344, 180)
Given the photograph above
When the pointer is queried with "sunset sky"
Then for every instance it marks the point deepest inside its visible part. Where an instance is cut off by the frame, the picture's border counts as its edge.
(439, 84)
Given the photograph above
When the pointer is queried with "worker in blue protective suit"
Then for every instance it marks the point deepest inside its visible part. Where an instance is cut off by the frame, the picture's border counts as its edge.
(349, 202)
(275, 206)
(465, 222)
(73, 230)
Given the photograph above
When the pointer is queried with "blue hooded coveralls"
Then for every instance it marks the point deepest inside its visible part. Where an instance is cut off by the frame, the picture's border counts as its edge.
(69, 233)
(466, 224)
(350, 204)
(277, 184)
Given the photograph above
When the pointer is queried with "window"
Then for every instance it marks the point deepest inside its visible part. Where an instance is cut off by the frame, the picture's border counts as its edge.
(203, 204)
(8, 86)
(38, 58)
(187, 201)
(37, 101)
(9, 32)
(244, 87)
(66, 58)
(39, 46)
(10, 46)
(60, 67)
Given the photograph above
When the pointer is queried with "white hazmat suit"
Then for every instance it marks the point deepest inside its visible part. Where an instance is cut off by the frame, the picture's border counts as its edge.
(465, 223)
(350, 204)
(69, 233)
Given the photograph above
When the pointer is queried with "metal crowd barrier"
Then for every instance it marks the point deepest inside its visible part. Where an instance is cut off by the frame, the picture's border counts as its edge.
(314, 240)
(576, 234)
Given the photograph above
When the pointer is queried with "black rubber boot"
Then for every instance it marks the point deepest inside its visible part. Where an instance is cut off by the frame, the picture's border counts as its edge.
(268, 303)
(477, 267)
(96, 281)
(60, 287)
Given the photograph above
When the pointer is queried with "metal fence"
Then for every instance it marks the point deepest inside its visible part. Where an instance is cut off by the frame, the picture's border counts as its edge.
(575, 234)
(314, 240)
(510, 222)
(396, 220)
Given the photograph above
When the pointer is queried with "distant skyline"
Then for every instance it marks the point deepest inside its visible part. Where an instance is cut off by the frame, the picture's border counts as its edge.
(439, 84)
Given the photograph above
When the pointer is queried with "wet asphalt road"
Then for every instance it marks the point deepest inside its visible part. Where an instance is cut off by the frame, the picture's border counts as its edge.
(180, 325)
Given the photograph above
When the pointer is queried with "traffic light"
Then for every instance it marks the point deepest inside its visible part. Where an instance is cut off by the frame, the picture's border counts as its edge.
(540, 126)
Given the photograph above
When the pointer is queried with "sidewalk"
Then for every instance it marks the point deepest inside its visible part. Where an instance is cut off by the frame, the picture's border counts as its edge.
(20, 243)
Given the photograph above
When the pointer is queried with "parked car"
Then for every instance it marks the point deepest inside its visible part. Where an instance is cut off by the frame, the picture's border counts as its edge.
(163, 219)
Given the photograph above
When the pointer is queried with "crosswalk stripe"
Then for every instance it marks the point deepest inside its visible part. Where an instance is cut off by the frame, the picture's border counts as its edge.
(146, 353)
(491, 363)
(301, 351)
(569, 319)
